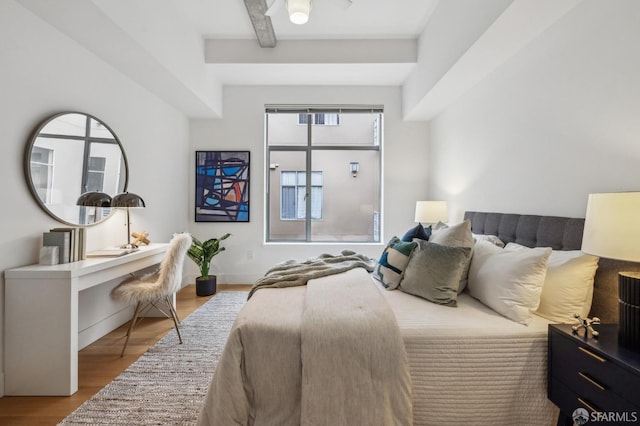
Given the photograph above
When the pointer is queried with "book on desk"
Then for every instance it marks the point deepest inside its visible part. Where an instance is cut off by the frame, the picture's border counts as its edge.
(111, 252)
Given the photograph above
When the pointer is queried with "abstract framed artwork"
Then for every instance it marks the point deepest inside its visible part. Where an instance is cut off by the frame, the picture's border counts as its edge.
(222, 186)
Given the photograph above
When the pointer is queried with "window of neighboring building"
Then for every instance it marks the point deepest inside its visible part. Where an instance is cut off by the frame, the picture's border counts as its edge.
(42, 172)
(293, 187)
(319, 119)
(95, 173)
(313, 193)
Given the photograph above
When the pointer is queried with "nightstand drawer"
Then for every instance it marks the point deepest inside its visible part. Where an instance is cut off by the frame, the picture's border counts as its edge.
(568, 401)
(593, 375)
(585, 394)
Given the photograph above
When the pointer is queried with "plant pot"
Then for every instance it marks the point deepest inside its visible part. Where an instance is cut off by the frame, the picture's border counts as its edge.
(206, 286)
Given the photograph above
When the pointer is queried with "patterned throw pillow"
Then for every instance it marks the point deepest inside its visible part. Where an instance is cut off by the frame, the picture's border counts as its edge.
(393, 261)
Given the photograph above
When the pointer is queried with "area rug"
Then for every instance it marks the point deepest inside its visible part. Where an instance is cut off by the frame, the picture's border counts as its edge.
(167, 384)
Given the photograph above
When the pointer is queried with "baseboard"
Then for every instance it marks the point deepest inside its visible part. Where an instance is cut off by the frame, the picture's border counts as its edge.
(238, 278)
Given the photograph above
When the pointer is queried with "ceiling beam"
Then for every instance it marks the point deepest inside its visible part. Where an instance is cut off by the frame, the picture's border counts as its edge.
(261, 22)
(347, 51)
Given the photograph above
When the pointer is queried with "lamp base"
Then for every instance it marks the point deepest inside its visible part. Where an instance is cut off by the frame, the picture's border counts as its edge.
(629, 306)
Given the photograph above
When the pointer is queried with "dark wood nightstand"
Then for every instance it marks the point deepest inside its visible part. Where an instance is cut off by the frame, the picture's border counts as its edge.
(594, 374)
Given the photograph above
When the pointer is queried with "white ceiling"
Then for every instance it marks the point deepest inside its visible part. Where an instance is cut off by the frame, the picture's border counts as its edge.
(228, 19)
(186, 51)
(329, 20)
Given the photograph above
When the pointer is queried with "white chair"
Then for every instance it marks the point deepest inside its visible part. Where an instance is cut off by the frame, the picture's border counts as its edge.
(156, 288)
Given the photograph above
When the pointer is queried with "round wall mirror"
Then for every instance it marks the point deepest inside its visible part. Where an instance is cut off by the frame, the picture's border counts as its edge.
(69, 154)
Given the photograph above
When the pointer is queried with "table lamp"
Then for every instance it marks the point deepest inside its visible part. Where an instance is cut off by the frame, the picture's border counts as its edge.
(612, 230)
(93, 199)
(127, 200)
(430, 212)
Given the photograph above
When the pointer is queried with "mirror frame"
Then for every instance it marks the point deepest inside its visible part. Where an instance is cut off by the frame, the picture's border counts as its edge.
(27, 165)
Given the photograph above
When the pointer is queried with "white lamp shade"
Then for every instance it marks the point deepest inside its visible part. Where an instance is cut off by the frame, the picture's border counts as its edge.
(299, 11)
(431, 211)
(612, 226)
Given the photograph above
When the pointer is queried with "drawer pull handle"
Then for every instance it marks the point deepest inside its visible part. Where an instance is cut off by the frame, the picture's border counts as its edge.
(590, 380)
(591, 354)
(589, 406)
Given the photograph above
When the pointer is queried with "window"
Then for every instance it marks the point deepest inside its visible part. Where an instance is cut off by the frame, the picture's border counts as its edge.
(42, 172)
(293, 188)
(95, 173)
(320, 119)
(314, 191)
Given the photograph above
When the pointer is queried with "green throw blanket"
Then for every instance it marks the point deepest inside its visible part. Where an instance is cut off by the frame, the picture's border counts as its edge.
(294, 273)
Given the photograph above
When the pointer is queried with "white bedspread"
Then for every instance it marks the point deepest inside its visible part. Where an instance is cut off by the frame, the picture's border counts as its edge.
(329, 353)
(470, 365)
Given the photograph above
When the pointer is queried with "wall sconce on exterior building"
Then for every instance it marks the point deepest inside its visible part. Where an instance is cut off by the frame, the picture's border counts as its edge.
(354, 166)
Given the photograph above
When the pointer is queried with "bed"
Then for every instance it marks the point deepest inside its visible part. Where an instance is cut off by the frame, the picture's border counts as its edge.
(343, 350)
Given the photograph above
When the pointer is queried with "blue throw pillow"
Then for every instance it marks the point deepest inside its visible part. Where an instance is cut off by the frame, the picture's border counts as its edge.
(419, 232)
(394, 259)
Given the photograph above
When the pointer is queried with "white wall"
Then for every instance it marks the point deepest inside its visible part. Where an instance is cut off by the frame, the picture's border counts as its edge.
(43, 72)
(405, 172)
(556, 122)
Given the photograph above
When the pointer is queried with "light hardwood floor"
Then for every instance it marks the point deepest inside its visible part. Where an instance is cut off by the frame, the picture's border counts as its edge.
(98, 364)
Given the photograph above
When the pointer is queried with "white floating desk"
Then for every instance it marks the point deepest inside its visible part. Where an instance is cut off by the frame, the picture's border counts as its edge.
(41, 318)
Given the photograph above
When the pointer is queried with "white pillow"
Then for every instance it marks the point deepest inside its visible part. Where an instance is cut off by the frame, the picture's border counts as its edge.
(568, 285)
(508, 281)
(493, 239)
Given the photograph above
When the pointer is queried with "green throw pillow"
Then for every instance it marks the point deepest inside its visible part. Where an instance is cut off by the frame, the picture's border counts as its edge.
(434, 272)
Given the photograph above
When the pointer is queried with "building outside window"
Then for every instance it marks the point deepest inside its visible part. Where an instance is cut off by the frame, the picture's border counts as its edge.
(95, 173)
(319, 119)
(324, 177)
(293, 188)
(42, 172)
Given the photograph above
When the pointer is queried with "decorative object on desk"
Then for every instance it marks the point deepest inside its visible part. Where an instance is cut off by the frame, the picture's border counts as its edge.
(141, 238)
(127, 200)
(158, 287)
(612, 230)
(202, 253)
(222, 186)
(62, 240)
(49, 255)
(587, 324)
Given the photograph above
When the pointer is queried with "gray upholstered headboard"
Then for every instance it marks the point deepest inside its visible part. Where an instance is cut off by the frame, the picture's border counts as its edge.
(559, 233)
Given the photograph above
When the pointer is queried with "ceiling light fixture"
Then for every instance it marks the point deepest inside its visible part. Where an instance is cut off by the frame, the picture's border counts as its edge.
(299, 11)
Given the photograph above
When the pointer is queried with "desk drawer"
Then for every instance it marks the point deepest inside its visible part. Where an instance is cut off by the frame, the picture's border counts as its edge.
(588, 373)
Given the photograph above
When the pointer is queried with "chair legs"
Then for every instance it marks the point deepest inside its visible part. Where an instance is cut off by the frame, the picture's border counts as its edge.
(172, 314)
(131, 324)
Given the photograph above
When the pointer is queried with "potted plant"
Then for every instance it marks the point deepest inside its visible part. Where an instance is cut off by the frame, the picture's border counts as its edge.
(201, 252)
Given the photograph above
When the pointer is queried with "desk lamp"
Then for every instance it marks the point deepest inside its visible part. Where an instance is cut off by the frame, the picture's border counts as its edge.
(93, 199)
(127, 200)
(612, 230)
